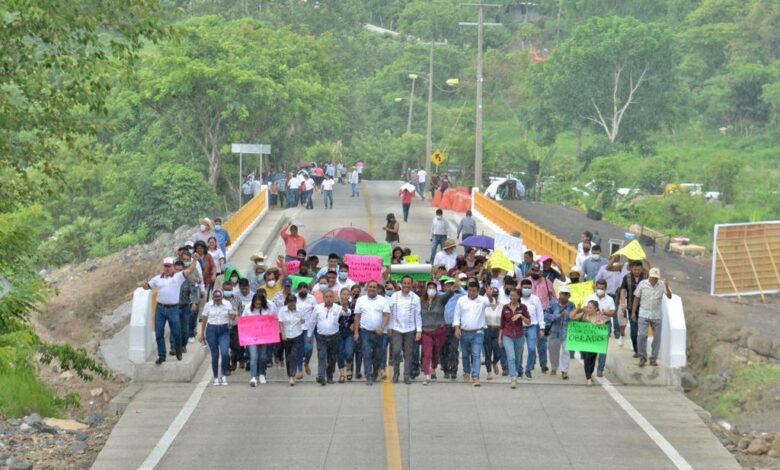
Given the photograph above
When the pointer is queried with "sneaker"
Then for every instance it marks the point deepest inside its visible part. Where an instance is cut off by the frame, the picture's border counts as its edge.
(224, 380)
(600, 373)
(528, 375)
(642, 361)
(475, 382)
(171, 352)
(307, 368)
(433, 376)
(262, 379)
(253, 382)
(159, 360)
(514, 383)
(191, 340)
(466, 377)
(564, 375)
(553, 372)
(653, 363)
(636, 356)
(545, 369)
(621, 341)
(490, 376)
(504, 373)
(427, 380)
(216, 382)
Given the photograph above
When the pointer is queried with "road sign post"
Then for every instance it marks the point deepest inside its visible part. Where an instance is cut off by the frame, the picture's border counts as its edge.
(241, 149)
(438, 157)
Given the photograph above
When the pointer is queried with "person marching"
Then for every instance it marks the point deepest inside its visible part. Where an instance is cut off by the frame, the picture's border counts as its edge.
(372, 313)
(590, 313)
(257, 353)
(514, 316)
(292, 320)
(325, 319)
(405, 327)
(214, 326)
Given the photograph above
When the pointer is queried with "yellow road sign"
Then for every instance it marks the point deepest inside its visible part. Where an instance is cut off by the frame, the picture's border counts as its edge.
(438, 157)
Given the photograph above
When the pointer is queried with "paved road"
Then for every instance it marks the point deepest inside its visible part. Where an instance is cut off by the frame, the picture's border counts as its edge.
(545, 422)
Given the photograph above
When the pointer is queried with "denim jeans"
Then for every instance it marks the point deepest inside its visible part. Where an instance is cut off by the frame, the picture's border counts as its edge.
(193, 321)
(371, 344)
(304, 352)
(436, 242)
(541, 350)
(449, 352)
(184, 321)
(292, 346)
(327, 354)
(170, 314)
(257, 358)
(355, 191)
(383, 351)
(420, 188)
(346, 347)
(308, 198)
(602, 359)
(531, 334)
(292, 197)
(218, 339)
(405, 208)
(634, 324)
(493, 354)
(328, 199)
(513, 348)
(471, 345)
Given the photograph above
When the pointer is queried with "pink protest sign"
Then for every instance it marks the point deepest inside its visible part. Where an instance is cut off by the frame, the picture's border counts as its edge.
(258, 329)
(364, 268)
(293, 266)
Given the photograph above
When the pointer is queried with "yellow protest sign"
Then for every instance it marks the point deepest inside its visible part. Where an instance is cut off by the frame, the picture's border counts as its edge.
(412, 259)
(438, 157)
(580, 291)
(632, 251)
(498, 259)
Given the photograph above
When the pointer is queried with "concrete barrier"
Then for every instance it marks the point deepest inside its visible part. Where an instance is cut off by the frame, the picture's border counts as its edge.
(141, 339)
(674, 333)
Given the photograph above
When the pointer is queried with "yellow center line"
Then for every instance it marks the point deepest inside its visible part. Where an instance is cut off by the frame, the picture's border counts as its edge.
(392, 442)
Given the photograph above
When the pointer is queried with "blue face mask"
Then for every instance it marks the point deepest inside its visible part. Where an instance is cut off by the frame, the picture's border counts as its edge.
(526, 292)
(227, 294)
(389, 292)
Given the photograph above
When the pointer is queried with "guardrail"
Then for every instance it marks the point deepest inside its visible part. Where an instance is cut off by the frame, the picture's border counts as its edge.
(239, 225)
(534, 237)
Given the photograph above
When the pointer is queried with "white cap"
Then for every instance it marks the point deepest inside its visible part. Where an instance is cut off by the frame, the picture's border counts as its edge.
(655, 272)
(168, 261)
(564, 290)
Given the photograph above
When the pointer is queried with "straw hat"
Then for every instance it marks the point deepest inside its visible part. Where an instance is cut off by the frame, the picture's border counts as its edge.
(450, 243)
(207, 222)
(259, 256)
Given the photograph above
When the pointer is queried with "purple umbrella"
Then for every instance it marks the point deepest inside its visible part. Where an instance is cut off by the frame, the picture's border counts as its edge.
(327, 245)
(479, 241)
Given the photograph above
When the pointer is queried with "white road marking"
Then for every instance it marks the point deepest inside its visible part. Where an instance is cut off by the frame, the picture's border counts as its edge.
(176, 426)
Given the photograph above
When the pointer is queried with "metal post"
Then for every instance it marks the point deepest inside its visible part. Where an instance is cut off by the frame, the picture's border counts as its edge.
(478, 146)
(240, 176)
(411, 108)
(429, 129)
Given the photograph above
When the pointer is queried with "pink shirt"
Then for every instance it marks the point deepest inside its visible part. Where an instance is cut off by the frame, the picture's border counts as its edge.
(544, 289)
(292, 243)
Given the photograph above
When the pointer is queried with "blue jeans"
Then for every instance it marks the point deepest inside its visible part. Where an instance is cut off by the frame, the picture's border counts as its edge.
(541, 349)
(405, 208)
(170, 314)
(371, 344)
(305, 352)
(355, 191)
(292, 348)
(328, 199)
(257, 357)
(493, 354)
(346, 347)
(420, 187)
(531, 334)
(184, 321)
(193, 321)
(218, 339)
(602, 359)
(436, 242)
(471, 345)
(292, 197)
(513, 348)
(307, 198)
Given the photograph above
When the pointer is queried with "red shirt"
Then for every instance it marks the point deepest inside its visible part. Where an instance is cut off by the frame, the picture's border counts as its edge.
(292, 243)
(406, 196)
(318, 171)
(513, 328)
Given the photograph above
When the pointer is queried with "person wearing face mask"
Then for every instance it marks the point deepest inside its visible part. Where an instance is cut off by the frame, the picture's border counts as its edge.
(533, 330)
(343, 280)
(305, 303)
(189, 300)
(584, 254)
(292, 321)
(514, 316)
(589, 313)
(606, 307)
(237, 352)
(434, 329)
(590, 267)
(320, 288)
(258, 305)
(205, 230)
(509, 285)
(544, 289)
(575, 275)
(439, 231)
(449, 354)
(214, 327)
(447, 256)
(208, 266)
(557, 316)
(372, 314)
(346, 347)
(493, 353)
(271, 284)
(256, 270)
(223, 237)
(280, 298)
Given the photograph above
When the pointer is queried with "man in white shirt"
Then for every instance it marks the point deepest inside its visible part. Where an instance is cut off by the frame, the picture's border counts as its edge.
(354, 181)
(372, 314)
(405, 327)
(607, 307)
(584, 255)
(469, 323)
(344, 281)
(421, 183)
(168, 285)
(327, 190)
(293, 183)
(305, 303)
(325, 319)
(439, 231)
(447, 256)
(308, 184)
(532, 331)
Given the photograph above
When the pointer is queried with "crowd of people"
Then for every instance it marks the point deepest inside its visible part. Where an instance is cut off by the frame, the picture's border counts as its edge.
(467, 312)
(300, 187)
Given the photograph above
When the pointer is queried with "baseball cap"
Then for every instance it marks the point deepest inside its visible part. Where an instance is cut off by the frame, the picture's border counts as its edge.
(655, 272)
(287, 282)
(536, 267)
(189, 243)
(463, 276)
(168, 261)
(564, 290)
(575, 269)
(544, 258)
(217, 294)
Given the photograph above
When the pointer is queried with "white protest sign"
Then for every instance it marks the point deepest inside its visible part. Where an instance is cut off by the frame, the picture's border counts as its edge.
(511, 246)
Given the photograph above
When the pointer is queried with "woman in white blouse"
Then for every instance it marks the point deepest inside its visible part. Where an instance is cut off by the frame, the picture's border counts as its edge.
(214, 325)
(216, 252)
(258, 352)
(291, 320)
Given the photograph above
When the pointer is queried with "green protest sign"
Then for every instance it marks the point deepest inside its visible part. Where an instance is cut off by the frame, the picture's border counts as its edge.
(585, 336)
(415, 276)
(300, 279)
(376, 249)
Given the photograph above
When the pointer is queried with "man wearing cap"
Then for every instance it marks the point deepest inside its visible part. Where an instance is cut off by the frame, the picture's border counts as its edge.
(607, 307)
(280, 298)
(439, 231)
(548, 272)
(292, 241)
(447, 256)
(650, 292)
(168, 285)
(223, 237)
(556, 315)
(205, 231)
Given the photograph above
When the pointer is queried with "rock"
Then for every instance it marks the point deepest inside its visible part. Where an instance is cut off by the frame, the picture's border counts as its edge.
(718, 383)
(757, 447)
(743, 444)
(774, 453)
(14, 422)
(96, 392)
(44, 428)
(94, 419)
(732, 334)
(776, 349)
(77, 447)
(725, 442)
(760, 344)
(725, 425)
(79, 435)
(688, 381)
(34, 418)
(13, 464)
(67, 375)
(27, 428)
(66, 424)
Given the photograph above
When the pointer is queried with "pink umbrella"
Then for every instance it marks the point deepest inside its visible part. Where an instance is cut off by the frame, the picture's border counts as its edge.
(350, 234)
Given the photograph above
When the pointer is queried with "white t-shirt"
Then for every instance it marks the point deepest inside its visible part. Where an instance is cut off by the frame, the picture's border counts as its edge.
(293, 183)
(328, 185)
(309, 182)
(421, 176)
(448, 260)
(371, 311)
(605, 303)
(217, 314)
(217, 255)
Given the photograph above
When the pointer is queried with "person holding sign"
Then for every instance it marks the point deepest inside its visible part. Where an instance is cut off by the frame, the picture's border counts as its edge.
(258, 352)
(591, 314)
(405, 327)
(214, 326)
(607, 307)
(325, 318)
(556, 316)
(372, 313)
(291, 320)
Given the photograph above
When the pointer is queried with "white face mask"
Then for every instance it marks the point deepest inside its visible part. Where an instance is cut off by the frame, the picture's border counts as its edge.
(595, 256)
(217, 227)
(323, 287)
(271, 283)
(431, 292)
(438, 217)
(202, 227)
(600, 292)
(234, 280)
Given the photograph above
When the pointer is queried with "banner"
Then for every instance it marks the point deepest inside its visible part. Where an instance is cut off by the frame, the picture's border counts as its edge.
(415, 276)
(364, 268)
(580, 291)
(412, 259)
(293, 266)
(499, 260)
(585, 336)
(374, 249)
(632, 251)
(258, 329)
(511, 246)
(300, 279)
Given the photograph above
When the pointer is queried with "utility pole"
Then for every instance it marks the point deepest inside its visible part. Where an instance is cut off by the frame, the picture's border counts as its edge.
(429, 128)
(480, 24)
(411, 104)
